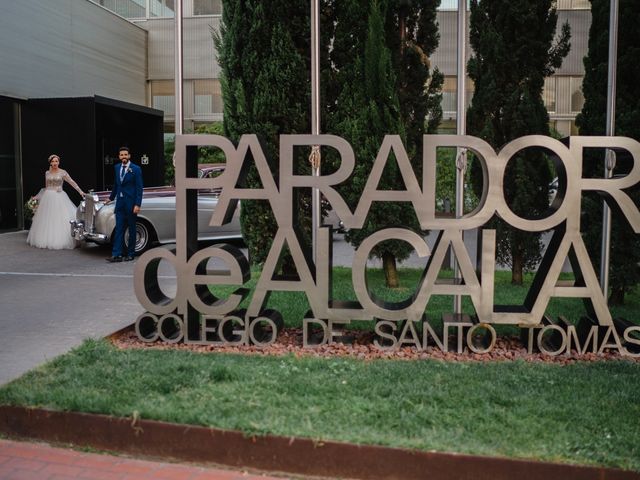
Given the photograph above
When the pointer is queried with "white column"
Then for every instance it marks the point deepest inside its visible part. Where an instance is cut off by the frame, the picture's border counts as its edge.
(177, 74)
(610, 158)
(315, 119)
(461, 129)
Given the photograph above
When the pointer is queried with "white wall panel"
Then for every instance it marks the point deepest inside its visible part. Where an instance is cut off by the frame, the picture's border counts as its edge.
(70, 48)
(161, 46)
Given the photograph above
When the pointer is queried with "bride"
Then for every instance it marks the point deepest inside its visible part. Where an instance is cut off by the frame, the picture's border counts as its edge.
(50, 226)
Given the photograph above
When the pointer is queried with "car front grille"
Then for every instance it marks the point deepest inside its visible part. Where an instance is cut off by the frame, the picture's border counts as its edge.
(89, 211)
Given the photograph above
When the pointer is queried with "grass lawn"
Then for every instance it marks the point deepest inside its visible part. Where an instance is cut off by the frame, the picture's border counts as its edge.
(294, 305)
(585, 413)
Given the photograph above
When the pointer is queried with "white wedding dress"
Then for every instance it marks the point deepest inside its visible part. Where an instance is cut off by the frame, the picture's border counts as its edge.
(50, 226)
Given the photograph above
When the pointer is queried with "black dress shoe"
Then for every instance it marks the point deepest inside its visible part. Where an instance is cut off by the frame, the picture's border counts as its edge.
(129, 258)
(114, 259)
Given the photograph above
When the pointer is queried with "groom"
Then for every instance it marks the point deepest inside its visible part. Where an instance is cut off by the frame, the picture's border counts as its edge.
(127, 192)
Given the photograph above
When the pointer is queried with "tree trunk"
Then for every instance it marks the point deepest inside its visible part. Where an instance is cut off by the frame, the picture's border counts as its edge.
(516, 268)
(403, 32)
(390, 270)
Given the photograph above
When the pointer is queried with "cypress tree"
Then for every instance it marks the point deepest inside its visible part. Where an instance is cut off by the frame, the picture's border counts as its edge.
(625, 246)
(376, 112)
(412, 36)
(514, 50)
(263, 51)
(379, 82)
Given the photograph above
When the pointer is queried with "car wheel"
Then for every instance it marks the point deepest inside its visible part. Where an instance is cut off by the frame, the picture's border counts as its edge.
(145, 236)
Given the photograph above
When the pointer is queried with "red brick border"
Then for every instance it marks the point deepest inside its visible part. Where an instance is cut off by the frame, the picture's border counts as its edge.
(279, 454)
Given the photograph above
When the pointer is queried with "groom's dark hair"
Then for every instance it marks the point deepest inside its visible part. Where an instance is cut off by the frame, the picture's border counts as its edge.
(126, 149)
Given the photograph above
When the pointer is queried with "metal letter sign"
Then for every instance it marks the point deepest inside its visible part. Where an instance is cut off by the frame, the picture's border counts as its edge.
(196, 315)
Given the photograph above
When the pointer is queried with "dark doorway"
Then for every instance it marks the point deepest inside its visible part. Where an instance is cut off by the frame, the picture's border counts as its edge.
(86, 133)
(9, 208)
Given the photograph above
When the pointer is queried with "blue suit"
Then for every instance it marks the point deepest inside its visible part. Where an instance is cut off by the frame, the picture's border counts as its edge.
(127, 192)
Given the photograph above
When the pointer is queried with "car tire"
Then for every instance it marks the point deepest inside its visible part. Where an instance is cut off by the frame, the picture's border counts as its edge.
(145, 236)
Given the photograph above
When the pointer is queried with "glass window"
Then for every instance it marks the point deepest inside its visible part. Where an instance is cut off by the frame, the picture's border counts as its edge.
(581, 4)
(449, 98)
(126, 8)
(161, 8)
(577, 98)
(207, 7)
(451, 5)
(163, 96)
(447, 127)
(573, 5)
(549, 94)
(207, 97)
(450, 93)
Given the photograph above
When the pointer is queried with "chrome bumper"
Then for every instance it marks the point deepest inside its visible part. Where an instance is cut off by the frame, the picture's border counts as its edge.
(78, 232)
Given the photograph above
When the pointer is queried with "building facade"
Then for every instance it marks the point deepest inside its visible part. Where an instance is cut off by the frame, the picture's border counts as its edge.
(123, 51)
(73, 82)
(202, 97)
(201, 89)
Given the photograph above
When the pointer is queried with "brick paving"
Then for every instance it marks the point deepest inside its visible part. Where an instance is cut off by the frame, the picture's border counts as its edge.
(39, 461)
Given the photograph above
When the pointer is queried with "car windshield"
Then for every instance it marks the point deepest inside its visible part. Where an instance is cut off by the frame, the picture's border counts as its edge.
(210, 173)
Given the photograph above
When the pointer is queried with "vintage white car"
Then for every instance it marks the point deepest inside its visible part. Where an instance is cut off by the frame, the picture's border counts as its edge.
(156, 223)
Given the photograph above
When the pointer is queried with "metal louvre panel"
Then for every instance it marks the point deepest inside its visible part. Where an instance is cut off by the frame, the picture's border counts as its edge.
(70, 48)
(199, 51)
(444, 56)
(580, 21)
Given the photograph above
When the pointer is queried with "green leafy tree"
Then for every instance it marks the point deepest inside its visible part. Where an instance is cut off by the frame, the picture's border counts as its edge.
(379, 82)
(210, 154)
(263, 50)
(205, 154)
(625, 246)
(169, 168)
(514, 50)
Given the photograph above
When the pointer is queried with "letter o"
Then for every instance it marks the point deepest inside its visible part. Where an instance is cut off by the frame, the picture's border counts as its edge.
(567, 208)
(172, 332)
(470, 339)
(258, 342)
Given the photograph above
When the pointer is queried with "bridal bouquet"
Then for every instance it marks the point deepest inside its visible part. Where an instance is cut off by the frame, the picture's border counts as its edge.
(30, 208)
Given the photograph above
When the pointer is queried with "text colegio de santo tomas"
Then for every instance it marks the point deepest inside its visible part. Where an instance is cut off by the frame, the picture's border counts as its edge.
(195, 315)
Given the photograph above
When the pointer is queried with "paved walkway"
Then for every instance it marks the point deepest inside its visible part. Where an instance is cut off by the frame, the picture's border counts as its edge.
(54, 299)
(51, 301)
(38, 461)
